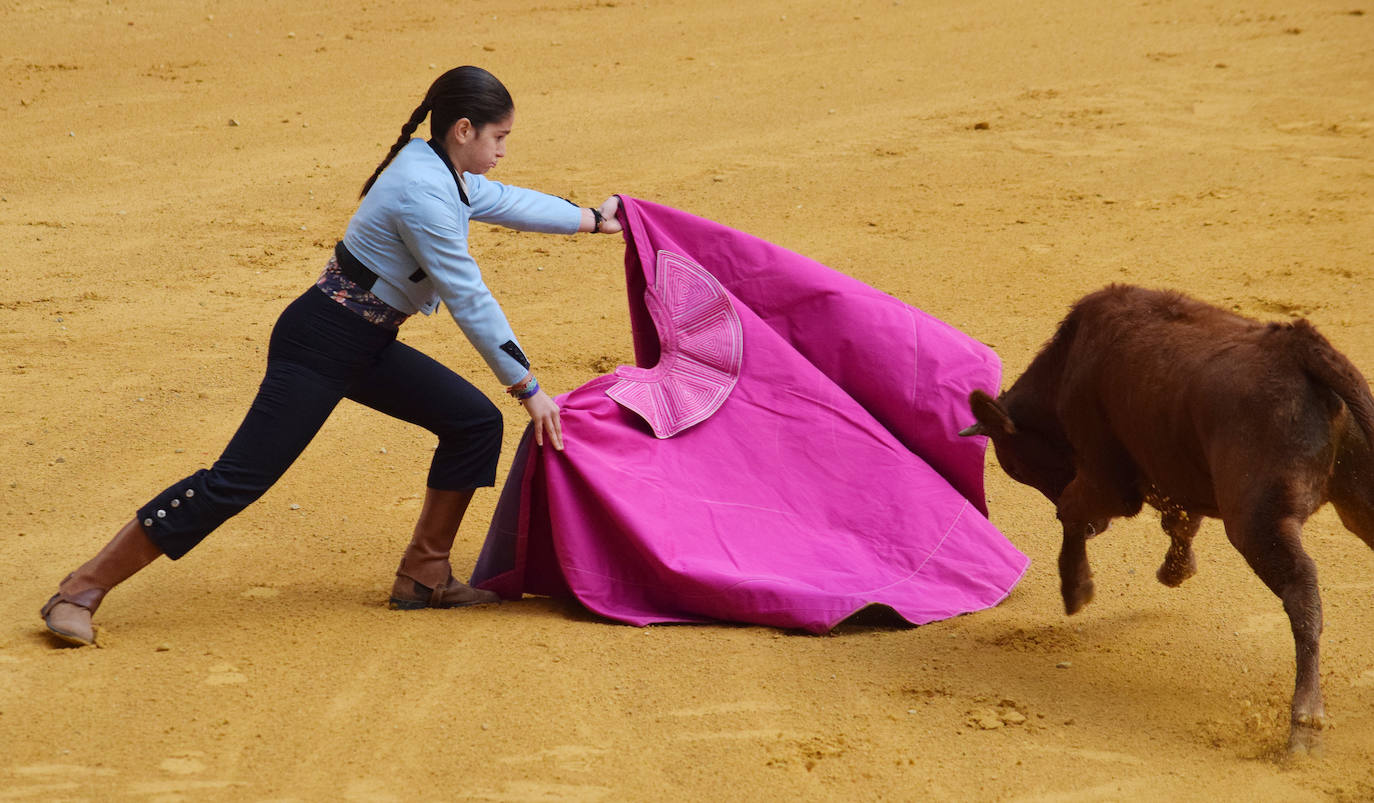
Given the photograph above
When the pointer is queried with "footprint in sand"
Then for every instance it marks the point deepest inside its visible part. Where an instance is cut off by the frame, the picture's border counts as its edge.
(568, 757)
(732, 707)
(1123, 789)
(178, 789)
(224, 675)
(371, 790)
(187, 763)
(61, 770)
(49, 781)
(535, 792)
(754, 713)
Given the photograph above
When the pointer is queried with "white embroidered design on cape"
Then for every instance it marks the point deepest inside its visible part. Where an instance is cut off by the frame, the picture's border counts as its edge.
(701, 349)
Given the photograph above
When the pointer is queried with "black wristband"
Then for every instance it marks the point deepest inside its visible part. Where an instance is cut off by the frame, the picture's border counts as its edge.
(598, 217)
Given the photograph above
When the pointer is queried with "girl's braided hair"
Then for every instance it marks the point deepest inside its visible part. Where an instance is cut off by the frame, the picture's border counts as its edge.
(469, 92)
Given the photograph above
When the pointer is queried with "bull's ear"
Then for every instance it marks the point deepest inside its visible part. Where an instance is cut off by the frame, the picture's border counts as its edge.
(993, 418)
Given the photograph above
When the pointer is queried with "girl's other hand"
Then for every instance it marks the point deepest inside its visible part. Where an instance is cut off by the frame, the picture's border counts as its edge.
(544, 415)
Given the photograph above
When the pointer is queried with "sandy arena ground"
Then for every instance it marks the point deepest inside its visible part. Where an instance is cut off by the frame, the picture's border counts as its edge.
(174, 172)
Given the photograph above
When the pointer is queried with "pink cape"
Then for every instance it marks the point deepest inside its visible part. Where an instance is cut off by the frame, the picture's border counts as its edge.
(785, 454)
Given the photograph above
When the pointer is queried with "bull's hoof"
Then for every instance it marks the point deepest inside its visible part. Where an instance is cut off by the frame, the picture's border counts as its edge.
(1305, 737)
(1305, 743)
(1172, 574)
(1076, 597)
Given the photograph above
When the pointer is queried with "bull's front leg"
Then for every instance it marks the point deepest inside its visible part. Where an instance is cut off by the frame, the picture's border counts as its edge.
(1079, 510)
(1075, 575)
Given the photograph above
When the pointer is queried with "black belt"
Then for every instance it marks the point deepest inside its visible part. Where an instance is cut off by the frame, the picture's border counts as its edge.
(360, 274)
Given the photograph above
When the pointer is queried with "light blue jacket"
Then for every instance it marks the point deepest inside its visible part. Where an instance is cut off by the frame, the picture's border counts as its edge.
(411, 229)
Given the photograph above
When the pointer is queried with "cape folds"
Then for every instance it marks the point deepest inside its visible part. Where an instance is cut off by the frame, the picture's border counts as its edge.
(785, 452)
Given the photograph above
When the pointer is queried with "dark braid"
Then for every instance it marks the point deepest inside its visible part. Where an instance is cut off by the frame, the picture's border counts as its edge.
(469, 92)
(416, 117)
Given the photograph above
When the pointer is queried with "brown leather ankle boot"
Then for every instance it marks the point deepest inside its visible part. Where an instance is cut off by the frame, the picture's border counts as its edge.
(410, 595)
(424, 579)
(68, 613)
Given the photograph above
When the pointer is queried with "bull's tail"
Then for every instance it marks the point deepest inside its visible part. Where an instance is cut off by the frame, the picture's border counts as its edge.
(1328, 366)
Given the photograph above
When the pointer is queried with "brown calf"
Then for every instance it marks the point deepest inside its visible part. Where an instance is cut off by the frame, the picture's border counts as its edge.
(1144, 396)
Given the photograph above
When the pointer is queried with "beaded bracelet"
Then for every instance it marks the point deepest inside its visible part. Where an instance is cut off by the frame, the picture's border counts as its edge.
(597, 219)
(524, 390)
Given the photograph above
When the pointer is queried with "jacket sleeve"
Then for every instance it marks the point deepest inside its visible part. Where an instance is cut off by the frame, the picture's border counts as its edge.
(436, 235)
(519, 208)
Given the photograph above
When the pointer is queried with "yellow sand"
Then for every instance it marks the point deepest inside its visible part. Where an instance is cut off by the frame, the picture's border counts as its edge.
(174, 173)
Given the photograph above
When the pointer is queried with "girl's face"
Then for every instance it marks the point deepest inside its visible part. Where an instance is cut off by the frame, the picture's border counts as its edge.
(477, 150)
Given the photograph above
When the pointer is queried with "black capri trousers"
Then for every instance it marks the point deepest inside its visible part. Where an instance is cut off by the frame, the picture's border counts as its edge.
(320, 353)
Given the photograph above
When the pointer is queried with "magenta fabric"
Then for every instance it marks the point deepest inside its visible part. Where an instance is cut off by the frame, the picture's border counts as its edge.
(700, 354)
(784, 453)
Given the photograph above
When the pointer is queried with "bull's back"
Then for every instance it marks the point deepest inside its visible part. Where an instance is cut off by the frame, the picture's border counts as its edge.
(1186, 391)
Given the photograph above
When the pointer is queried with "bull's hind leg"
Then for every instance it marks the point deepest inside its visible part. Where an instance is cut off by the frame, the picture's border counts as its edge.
(1179, 563)
(1272, 546)
(1352, 486)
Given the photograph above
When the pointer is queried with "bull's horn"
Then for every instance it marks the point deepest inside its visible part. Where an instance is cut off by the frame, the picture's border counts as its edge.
(976, 429)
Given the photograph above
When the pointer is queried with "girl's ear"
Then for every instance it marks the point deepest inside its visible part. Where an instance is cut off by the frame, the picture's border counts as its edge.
(463, 129)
